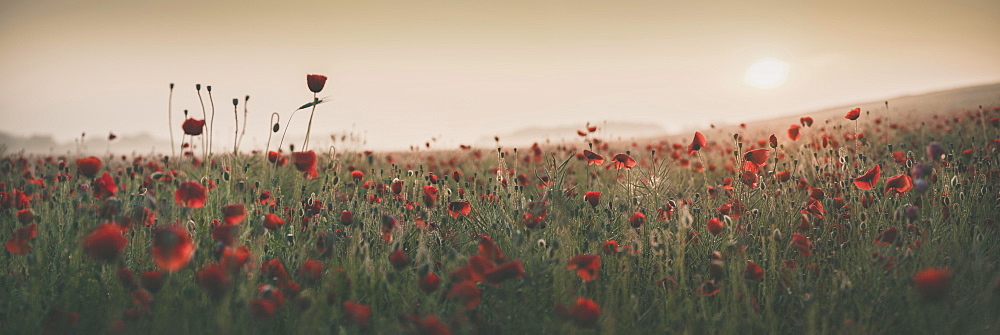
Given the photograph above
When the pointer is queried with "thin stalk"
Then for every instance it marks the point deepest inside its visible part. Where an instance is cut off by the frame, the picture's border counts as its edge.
(170, 120)
(211, 126)
(244, 131)
(270, 131)
(236, 135)
(305, 144)
(204, 116)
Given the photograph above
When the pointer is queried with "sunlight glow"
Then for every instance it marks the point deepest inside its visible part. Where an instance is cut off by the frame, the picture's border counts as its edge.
(766, 73)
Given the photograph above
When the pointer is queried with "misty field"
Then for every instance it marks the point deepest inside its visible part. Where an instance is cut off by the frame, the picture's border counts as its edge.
(861, 223)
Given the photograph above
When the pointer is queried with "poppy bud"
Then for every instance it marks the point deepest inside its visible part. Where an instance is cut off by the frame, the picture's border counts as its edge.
(236, 101)
(208, 88)
(197, 87)
(275, 128)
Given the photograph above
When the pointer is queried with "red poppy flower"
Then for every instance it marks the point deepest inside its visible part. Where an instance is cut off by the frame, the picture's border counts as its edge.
(817, 193)
(806, 121)
(697, 143)
(753, 272)
(191, 194)
(489, 250)
(585, 313)
(592, 197)
(637, 219)
(305, 162)
(430, 195)
(214, 279)
(505, 272)
(932, 283)
(172, 247)
(623, 161)
(757, 156)
(853, 114)
(357, 175)
(430, 282)
(311, 271)
(586, 265)
(593, 158)
(815, 208)
(783, 176)
(152, 280)
(18, 245)
(273, 222)
(708, 288)
(193, 127)
(346, 218)
(714, 226)
(234, 214)
(898, 184)
(609, 247)
(773, 141)
(467, 292)
(868, 180)
(456, 208)
(886, 237)
(802, 244)
(105, 242)
(793, 132)
(262, 308)
(235, 258)
(357, 313)
(88, 166)
(25, 216)
(315, 82)
(273, 269)
(273, 156)
(104, 186)
(398, 259)
(225, 234)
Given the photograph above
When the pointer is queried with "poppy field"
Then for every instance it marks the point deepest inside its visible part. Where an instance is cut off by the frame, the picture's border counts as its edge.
(865, 222)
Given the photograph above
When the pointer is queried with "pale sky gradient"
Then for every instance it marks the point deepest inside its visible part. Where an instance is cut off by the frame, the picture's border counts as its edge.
(405, 71)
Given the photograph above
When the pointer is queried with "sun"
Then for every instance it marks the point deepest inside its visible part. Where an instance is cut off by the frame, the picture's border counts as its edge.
(766, 73)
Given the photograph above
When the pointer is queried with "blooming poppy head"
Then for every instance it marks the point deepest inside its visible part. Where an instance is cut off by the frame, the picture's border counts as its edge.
(586, 265)
(489, 250)
(868, 180)
(191, 194)
(315, 82)
(234, 214)
(714, 226)
(456, 208)
(105, 242)
(18, 245)
(697, 143)
(88, 166)
(346, 217)
(311, 271)
(853, 114)
(886, 237)
(898, 184)
(430, 282)
(793, 132)
(507, 271)
(305, 162)
(467, 293)
(398, 259)
(623, 161)
(104, 186)
(806, 121)
(593, 158)
(753, 271)
(932, 283)
(273, 221)
(609, 247)
(637, 219)
(585, 313)
(757, 156)
(172, 247)
(357, 313)
(802, 244)
(193, 127)
(214, 279)
(592, 197)
(226, 234)
(430, 195)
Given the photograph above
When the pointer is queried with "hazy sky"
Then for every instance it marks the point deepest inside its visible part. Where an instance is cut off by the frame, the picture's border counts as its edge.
(404, 71)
